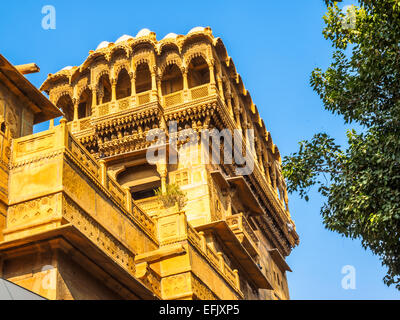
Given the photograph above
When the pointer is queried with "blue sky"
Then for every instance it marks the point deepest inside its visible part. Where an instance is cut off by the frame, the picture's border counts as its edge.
(275, 46)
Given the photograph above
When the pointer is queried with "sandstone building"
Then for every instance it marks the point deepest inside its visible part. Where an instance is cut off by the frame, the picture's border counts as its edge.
(79, 218)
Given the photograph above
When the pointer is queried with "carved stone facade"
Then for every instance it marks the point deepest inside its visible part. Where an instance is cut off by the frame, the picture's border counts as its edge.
(88, 184)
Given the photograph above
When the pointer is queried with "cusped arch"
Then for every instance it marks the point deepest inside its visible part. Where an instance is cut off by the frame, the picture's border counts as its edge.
(100, 74)
(170, 59)
(63, 92)
(168, 45)
(171, 78)
(187, 59)
(65, 102)
(123, 88)
(119, 67)
(220, 49)
(141, 43)
(93, 56)
(81, 90)
(195, 36)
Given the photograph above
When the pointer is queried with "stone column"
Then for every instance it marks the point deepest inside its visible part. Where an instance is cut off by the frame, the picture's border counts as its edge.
(212, 76)
(94, 96)
(154, 84)
(163, 172)
(94, 99)
(159, 89)
(113, 89)
(132, 76)
(76, 104)
(185, 84)
(237, 116)
(103, 172)
(133, 83)
(128, 199)
(230, 108)
(221, 89)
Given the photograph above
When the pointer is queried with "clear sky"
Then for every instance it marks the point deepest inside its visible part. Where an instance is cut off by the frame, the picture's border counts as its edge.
(275, 46)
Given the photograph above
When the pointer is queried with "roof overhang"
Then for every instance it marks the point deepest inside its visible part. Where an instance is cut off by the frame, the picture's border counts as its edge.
(246, 194)
(43, 109)
(230, 240)
(279, 260)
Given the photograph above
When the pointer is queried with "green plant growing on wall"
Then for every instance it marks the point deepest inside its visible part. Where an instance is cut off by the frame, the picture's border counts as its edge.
(173, 196)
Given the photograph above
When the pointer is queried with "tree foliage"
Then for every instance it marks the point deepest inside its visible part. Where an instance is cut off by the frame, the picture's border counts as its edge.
(361, 182)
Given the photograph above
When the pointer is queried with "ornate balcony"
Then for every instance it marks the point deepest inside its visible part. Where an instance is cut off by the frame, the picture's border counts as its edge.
(243, 231)
(151, 206)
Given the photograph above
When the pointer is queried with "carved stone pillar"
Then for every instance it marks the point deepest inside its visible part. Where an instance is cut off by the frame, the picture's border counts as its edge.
(221, 89)
(230, 108)
(113, 89)
(237, 116)
(154, 85)
(128, 199)
(259, 157)
(212, 75)
(159, 90)
(76, 104)
(185, 84)
(163, 172)
(103, 172)
(94, 96)
(132, 76)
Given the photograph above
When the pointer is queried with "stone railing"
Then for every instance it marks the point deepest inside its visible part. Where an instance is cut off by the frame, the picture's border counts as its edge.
(143, 98)
(151, 206)
(200, 91)
(59, 140)
(81, 124)
(174, 228)
(242, 229)
(173, 99)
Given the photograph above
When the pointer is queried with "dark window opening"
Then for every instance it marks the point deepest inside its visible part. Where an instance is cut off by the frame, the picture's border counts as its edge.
(143, 194)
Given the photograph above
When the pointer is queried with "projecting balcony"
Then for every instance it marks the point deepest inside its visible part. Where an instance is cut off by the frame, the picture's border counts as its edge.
(151, 206)
(243, 231)
(134, 101)
(182, 96)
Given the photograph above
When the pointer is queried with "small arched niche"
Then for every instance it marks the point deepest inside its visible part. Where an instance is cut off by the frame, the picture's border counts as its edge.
(123, 85)
(85, 104)
(3, 127)
(143, 78)
(172, 80)
(104, 93)
(198, 73)
(67, 106)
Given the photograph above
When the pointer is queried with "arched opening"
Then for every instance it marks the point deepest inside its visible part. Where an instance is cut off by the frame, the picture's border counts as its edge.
(104, 92)
(172, 80)
(123, 85)
(85, 104)
(143, 78)
(142, 180)
(199, 72)
(3, 127)
(67, 106)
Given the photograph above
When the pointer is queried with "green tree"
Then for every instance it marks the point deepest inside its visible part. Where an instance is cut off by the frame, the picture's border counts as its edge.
(361, 181)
